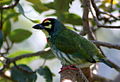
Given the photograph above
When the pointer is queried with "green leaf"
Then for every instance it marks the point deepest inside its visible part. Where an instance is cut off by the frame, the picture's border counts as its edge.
(118, 5)
(3, 2)
(38, 6)
(46, 73)
(19, 35)
(6, 27)
(1, 38)
(35, 21)
(34, 1)
(62, 5)
(21, 10)
(25, 60)
(48, 55)
(50, 5)
(4, 80)
(71, 28)
(23, 76)
(71, 18)
(11, 15)
(17, 53)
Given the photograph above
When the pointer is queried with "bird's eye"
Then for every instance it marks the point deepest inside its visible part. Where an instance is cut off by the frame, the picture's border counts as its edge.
(47, 23)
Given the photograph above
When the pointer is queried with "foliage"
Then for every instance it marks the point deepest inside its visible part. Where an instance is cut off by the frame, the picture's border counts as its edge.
(10, 36)
(23, 76)
(46, 73)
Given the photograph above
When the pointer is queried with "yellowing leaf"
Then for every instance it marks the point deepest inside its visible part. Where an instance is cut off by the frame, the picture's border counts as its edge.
(109, 1)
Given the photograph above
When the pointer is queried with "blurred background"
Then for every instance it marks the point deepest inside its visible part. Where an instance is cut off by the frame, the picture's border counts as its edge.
(30, 12)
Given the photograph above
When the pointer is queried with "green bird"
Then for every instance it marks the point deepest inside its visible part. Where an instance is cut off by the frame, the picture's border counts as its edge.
(71, 48)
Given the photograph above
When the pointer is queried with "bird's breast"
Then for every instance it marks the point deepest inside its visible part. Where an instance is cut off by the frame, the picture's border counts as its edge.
(68, 59)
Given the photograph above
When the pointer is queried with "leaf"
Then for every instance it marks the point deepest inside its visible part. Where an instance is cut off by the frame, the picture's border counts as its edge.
(48, 55)
(1, 38)
(62, 5)
(71, 18)
(71, 28)
(4, 80)
(11, 15)
(22, 76)
(46, 73)
(6, 27)
(38, 6)
(17, 53)
(19, 35)
(3, 2)
(50, 5)
(21, 10)
(25, 60)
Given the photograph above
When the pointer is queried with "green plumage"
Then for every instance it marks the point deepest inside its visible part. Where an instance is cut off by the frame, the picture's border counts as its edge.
(70, 47)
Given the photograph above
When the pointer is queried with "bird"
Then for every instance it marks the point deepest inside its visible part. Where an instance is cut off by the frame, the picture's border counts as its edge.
(70, 47)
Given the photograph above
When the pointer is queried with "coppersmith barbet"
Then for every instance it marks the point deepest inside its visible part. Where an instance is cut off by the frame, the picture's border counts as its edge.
(70, 47)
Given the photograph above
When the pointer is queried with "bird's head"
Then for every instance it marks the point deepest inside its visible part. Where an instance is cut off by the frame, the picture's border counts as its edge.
(51, 25)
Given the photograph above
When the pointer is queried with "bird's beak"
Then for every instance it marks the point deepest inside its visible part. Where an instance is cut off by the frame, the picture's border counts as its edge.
(38, 26)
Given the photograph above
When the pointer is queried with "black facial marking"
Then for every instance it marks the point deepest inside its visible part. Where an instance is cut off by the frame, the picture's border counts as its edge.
(46, 23)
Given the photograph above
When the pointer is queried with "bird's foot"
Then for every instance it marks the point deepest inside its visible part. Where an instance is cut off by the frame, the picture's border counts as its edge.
(68, 67)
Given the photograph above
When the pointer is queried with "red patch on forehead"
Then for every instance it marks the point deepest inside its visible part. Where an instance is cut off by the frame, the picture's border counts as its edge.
(48, 19)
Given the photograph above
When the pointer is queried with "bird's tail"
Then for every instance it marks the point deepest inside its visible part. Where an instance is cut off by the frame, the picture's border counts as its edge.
(110, 64)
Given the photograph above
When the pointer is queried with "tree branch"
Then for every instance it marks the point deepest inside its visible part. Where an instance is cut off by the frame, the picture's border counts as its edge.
(106, 44)
(86, 26)
(45, 51)
(113, 27)
(98, 12)
(10, 6)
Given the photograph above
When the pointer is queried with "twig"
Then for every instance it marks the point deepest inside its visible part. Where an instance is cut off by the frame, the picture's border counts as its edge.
(22, 69)
(104, 26)
(112, 27)
(10, 6)
(98, 12)
(86, 27)
(106, 44)
(116, 18)
(30, 55)
(95, 8)
(111, 6)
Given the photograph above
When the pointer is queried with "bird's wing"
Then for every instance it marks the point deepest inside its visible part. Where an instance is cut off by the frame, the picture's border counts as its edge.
(66, 42)
(70, 42)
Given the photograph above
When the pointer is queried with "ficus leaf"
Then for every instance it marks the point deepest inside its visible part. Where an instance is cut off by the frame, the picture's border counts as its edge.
(62, 5)
(38, 6)
(24, 60)
(3, 2)
(71, 18)
(21, 10)
(6, 27)
(50, 5)
(19, 35)
(23, 76)
(48, 55)
(46, 73)
(1, 38)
